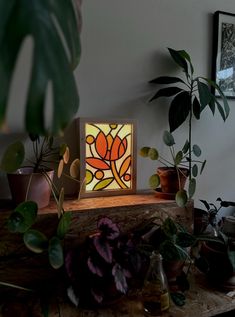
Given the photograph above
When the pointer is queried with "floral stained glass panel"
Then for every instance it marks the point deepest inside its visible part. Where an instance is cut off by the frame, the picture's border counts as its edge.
(108, 156)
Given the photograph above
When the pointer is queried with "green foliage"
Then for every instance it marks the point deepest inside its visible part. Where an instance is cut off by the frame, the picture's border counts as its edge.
(53, 23)
(64, 224)
(55, 252)
(192, 96)
(23, 217)
(179, 159)
(13, 157)
(35, 240)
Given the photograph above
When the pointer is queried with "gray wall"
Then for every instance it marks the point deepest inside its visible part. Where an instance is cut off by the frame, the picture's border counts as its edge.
(124, 45)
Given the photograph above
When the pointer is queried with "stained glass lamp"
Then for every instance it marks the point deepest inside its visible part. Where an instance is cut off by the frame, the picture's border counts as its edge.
(107, 153)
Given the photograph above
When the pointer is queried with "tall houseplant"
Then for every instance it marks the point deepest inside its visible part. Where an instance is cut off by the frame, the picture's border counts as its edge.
(190, 96)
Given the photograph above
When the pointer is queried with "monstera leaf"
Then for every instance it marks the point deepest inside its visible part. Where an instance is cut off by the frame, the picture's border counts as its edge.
(53, 26)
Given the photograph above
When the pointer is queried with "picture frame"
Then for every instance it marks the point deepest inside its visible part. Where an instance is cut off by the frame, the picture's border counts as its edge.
(107, 156)
(223, 66)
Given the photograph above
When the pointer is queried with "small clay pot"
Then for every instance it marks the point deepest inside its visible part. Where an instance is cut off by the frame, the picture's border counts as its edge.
(169, 179)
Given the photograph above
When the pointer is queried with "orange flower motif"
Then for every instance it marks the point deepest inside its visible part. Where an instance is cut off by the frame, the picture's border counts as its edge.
(109, 148)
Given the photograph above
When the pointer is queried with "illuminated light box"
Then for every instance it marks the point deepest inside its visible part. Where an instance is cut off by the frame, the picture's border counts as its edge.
(108, 156)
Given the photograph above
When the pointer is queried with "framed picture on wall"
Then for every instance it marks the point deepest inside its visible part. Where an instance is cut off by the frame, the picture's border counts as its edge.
(223, 70)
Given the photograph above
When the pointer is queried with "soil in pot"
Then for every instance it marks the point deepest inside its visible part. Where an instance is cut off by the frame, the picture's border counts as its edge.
(169, 179)
(36, 184)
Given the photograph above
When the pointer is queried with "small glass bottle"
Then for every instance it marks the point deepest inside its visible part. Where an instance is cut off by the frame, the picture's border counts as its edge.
(155, 294)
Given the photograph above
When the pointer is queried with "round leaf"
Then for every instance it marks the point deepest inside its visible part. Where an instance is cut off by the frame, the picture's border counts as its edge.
(181, 198)
(154, 181)
(55, 252)
(75, 168)
(144, 151)
(66, 155)
(153, 154)
(196, 150)
(23, 217)
(195, 170)
(35, 241)
(168, 138)
(13, 157)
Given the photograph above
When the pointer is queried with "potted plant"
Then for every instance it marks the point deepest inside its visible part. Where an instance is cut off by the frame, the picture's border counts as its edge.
(172, 176)
(190, 95)
(105, 267)
(34, 180)
(216, 258)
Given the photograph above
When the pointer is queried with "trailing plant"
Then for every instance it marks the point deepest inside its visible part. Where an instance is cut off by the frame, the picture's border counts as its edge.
(190, 96)
(179, 159)
(23, 217)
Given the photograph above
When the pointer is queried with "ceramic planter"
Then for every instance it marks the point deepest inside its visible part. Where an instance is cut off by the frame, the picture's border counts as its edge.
(36, 183)
(169, 179)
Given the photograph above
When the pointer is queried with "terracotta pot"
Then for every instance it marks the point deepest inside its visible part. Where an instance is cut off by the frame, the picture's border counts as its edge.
(169, 178)
(38, 188)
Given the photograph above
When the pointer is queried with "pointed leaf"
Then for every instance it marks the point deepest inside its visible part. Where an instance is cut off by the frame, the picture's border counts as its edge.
(94, 268)
(166, 92)
(103, 183)
(64, 224)
(191, 187)
(179, 110)
(103, 248)
(212, 105)
(13, 157)
(181, 198)
(178, 158)
(168, 138)
(108, 228)
(153, 154)
(205, 203)
(179, 59)
(35, 240)
(97, 163)
(202, 167)
(119, 278)
(144, 151)
(169, 227)
(154, 181)
(55, 252)
(185, 147)
(185, 55)
(125, 166)
(165, 80)
(196, 108)
(196, 150)
(204, 94)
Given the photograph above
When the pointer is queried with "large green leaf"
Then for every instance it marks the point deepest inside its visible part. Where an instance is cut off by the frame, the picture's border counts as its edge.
(53, 27)
(181, 198)
(23, 217)
(204, 94)
(179, 110)
(154, 181)
(13, 157)
(165, 80)
(166, 92)
(55, 252)
(179, 59)
(196, 108)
